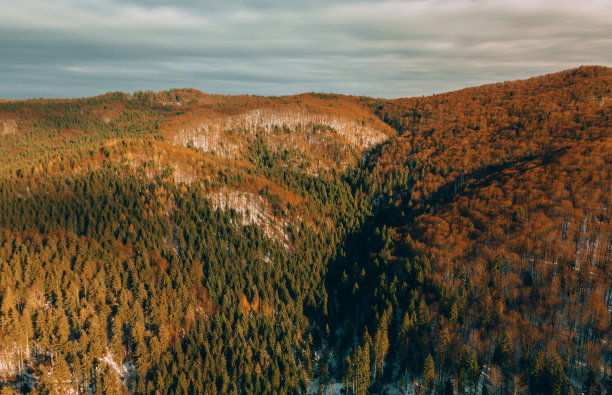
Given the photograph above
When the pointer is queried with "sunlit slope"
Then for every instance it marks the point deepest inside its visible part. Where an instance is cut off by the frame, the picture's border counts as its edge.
(193, 243)
(492, 232)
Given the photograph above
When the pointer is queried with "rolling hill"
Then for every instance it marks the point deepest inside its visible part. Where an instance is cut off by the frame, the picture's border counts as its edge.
(182, 242)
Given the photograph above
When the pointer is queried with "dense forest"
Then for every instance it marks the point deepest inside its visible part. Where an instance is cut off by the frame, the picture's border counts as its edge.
(179, 242)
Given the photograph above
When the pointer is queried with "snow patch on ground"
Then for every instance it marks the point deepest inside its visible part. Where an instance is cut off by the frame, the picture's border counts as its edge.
(399, 389)
(209, 135)
(125, 372)
(108, 359)
(8, 126)
(10, 360)
(254, 210)
(330, 389)
(7, 364)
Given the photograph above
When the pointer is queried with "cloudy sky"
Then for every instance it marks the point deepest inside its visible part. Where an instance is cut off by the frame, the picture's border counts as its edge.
(72, 48)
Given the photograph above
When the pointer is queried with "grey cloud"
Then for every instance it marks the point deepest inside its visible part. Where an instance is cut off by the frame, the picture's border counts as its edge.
(384, 48)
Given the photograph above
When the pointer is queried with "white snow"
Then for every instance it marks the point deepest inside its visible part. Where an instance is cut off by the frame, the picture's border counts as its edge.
(254, 210)
(334, 388)
(125, 372)
(209, 135)
(8, 126)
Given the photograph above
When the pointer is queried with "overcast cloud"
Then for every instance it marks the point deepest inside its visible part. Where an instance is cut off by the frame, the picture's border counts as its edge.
(69, 48)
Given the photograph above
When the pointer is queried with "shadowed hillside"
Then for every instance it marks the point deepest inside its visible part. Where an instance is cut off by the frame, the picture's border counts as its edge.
(182, 242)
(492, 235)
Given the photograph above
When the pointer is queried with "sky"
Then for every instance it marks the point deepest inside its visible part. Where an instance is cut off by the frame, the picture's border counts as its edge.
(77, 48)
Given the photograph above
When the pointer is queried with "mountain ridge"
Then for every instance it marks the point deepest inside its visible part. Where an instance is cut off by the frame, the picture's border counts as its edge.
(454, 242)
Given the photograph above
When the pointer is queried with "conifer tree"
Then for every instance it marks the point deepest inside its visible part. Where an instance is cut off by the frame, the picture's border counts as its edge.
(429, 374)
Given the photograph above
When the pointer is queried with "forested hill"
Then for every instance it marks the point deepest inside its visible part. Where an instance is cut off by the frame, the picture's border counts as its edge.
(490, 250)
(181, 242)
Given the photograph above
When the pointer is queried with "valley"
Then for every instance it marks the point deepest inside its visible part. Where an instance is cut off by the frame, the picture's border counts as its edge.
(181, 242)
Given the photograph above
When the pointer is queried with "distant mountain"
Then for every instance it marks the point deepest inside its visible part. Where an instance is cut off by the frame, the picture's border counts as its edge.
(182, 242)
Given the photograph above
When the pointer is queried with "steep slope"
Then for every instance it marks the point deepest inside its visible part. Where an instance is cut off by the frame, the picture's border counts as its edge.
(128, 257)
(492, 235)
(230, 143)
(319, 133)
(182, 242)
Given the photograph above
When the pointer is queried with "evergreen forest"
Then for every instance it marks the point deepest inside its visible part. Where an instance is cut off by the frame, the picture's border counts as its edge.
(178, 242)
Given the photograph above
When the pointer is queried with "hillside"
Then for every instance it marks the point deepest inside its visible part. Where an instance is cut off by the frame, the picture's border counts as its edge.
(192, 243)
(493, 209)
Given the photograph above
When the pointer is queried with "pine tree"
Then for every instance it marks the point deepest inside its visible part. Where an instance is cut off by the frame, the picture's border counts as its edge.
(108, 382)
(555, 377)
(473, 370)
(363, 368)
(429, 374)
(381, 346)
